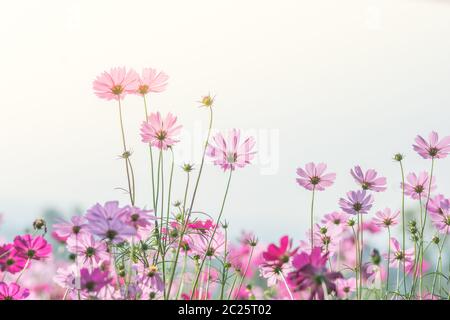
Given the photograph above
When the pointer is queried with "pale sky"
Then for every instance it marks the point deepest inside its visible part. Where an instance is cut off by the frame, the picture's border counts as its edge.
(344, 82)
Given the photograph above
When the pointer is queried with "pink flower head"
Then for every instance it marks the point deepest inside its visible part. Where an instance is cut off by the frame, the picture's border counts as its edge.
(371, 226)
(437, 204)
(149, 277)
(336, 220)
(345, 287)
(10, 260)
(202, 226)
(311, 272)
(441, 219)
(95, 280)
(32, 248)
(433, 148)
(87, 248)
(201, 241)
(137, 217)
(417, 186)
(386, 218)
(231, 153)
(160, 132)
(397, 255)
(274, 272)
(281, 254)
(108, 222)
(368, 180)
(64, 229)
(327, 238)
(12, 291)
(356, 202)
(313, 177)
(152, 81)
(116, 83)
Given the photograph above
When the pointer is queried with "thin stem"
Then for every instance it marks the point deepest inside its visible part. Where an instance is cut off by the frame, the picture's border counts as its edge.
(245, 272)
(286, 285)
(388, 261)
(213, 233)
(403, 224)
(151, 158)
(125, 152)
(225, 267)
(312, 219)
(208, 275)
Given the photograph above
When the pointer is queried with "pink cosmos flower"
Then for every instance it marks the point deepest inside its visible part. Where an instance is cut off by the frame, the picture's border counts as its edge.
(397, 255)
(116, 83)
(336, 220)
(274, 272)
(371, 226)
(12, 291)
(311, 272)
(433, 148)
(327, 238)
(87, 248)
(357, 202)
(160, 132)
(386, 218)
(281, 254)
(313, 177)
(435, 204)
(10, 260)
(231, 153)
(441, 218)
(345, 287)
(95, 280)
(108, 222)
(32, 248)
(64, 229)
(201, 226)
(149, 277)
(139, 218)
(368, 180)
(152, 81)
(417, 187)
(200, 244)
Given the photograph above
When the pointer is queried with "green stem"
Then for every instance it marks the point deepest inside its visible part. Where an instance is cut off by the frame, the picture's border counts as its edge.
(124, 152)
(388, 262)
(403, 224)
(312, 219)
(212, 235)
(245, 272)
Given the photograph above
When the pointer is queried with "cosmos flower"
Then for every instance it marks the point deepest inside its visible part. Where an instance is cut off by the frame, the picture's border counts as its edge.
(441, 219)
(274, 272)
(30, 247)
(336, 220)
(10, 260)
(368, 180)
(151, 81)
(397, 255)
(109, 211)
(313, 177)
(116, 83)
(386, 218)
(281, 254)
(417, 186)
(160, 132)
(437, 204)
(327, 238)
(311, 273)
(150, 277)
(87, 248)
(95, 280)
(433, 148)
(231, 153)
(201, 242)
(139, 218)
(356, 202)
(64, 229)
(345, 287)
(12, 291)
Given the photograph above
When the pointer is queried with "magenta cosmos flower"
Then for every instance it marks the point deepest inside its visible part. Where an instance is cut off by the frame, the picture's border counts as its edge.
(151, 81)
(369, 179)
(231, 153)
(281, 254)
(36, 248)
(356, 202)
(160, 132)
(116, 83)
(95, 280)
(10, 260)
(441, 218)
(433, 148)
(64, 229)
(12, 291)
(435, 204)
(313, 177)
(311, 273)
(417, 186)
(386, 218)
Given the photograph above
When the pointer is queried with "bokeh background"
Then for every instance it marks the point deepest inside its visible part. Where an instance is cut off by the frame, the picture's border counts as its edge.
(343, 82)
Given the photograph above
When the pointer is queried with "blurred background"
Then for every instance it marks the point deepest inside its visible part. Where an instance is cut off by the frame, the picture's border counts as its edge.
(342, 82)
